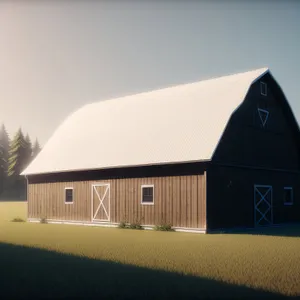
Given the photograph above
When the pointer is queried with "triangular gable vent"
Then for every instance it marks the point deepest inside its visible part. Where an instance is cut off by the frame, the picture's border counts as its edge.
(263, 115)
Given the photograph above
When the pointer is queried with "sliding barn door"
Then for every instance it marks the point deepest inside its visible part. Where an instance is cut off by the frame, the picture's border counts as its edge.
(101, 202)
(263, 210)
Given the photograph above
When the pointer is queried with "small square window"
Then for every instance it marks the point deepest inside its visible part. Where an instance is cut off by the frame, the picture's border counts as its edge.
(263, 88)
(288, 196)
(68, 195)
(147, 194)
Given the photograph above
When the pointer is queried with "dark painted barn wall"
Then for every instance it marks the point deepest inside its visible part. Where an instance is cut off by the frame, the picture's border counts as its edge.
(247, 143)
(230, 191)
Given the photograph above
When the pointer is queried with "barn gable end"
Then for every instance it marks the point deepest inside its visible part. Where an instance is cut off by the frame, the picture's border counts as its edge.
(262, 132)
(257, 159)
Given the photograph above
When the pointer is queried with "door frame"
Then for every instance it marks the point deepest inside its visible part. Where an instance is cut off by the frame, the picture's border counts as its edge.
(101, 201)
(270, 190)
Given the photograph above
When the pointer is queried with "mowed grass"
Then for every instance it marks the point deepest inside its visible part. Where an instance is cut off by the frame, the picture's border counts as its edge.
(49, 260)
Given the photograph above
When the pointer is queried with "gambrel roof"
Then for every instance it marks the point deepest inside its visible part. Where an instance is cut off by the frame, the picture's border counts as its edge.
(171, 125)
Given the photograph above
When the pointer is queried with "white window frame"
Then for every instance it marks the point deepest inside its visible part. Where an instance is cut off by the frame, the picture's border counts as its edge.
(265, 111)
(292, 193)
(69, 188)
(263, 86)
(147, 186)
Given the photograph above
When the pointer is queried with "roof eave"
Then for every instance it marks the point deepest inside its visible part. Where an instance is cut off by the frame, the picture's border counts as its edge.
(26, 174)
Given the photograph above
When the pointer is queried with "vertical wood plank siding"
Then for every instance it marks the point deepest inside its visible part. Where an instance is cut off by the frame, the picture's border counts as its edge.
(179, 200)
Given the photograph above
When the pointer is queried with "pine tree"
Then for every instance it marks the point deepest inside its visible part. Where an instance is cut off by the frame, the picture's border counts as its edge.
(28, 146)
(36, 149)
(4, 139)
(4, 148)
(2, 168)
(17, 154)
(17, 163)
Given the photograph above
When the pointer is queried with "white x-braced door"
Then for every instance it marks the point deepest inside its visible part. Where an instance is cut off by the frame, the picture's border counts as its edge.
(101, 202)
(263, 210)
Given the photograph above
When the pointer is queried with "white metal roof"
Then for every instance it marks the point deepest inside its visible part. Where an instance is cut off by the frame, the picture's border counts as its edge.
(176, 124)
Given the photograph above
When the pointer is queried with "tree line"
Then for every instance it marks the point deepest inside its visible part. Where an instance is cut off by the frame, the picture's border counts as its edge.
(15, 155)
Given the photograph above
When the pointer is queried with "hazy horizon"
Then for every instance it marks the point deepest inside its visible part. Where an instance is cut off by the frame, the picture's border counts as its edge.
(58, 56)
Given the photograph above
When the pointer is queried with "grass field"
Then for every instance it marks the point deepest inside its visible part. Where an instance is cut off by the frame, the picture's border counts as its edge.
(48, 260)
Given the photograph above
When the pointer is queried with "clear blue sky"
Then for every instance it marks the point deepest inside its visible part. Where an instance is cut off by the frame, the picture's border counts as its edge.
(56, 56)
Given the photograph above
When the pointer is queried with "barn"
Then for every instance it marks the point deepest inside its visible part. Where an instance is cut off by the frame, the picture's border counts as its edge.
(219, 153)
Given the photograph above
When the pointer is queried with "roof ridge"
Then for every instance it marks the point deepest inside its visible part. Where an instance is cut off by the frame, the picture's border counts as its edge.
(263, 69)
(236, 74)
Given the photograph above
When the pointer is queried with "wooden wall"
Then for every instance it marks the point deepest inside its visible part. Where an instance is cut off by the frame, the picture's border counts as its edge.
(179, 200)
(230, 193)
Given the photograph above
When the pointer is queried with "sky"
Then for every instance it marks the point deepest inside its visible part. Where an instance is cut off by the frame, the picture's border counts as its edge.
(56, 56)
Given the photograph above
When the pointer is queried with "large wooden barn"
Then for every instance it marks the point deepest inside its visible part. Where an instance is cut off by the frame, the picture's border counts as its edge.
(219, 153)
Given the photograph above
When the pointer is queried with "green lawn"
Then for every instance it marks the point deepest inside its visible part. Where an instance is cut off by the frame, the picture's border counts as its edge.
(48, 260)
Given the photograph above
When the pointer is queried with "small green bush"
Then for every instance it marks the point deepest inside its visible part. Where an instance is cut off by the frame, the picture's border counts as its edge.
(122, 224)
(164, 227)
(136, 226)
(18, 220)
(43, 221)
(127, 225)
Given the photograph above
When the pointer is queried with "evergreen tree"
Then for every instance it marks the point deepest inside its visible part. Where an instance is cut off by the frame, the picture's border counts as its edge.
(2, 168)
(4, 138)
(17, 154)
(17, 163)
(36, 149)
(28, 147)
(4, 148)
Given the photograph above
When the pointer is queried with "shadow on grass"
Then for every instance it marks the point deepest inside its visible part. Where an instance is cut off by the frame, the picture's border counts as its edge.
(288, 230)
(32, 273)
(13, 199)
